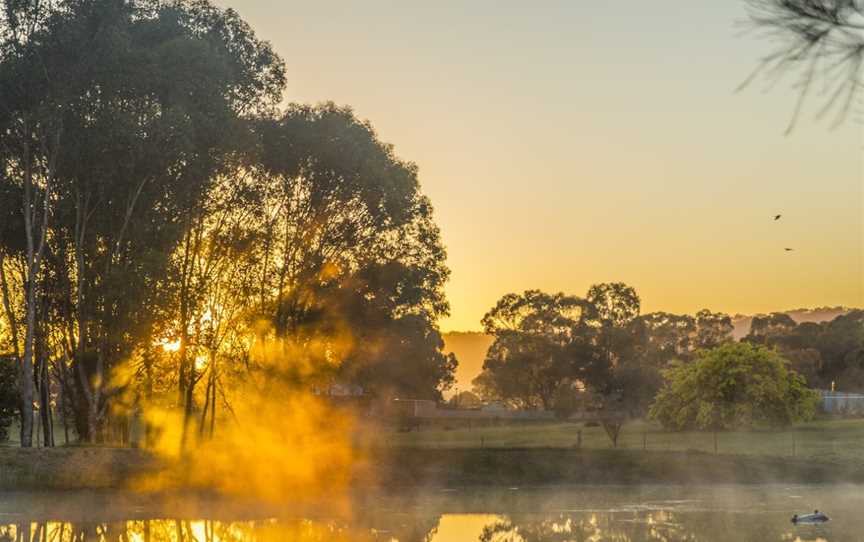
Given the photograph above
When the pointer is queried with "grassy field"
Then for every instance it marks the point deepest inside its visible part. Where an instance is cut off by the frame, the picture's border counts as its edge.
(825, 439)
(540, 453)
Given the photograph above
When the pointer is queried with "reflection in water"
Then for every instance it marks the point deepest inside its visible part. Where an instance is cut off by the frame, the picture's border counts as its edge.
(660, 526)
(576, 514)
(562, 527)
(181, 531)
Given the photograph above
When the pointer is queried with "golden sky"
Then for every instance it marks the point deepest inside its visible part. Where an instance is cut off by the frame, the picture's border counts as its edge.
(565, 143)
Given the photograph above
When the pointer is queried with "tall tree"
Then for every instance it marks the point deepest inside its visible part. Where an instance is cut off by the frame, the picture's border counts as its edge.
(350, 253)
(537, 336)
(829, 354)
(712, 328)
(148, 97)
(666, 337)
(33, 138)
(164, 231)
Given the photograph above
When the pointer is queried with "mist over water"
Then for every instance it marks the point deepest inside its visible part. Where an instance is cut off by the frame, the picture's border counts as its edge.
(619, 513)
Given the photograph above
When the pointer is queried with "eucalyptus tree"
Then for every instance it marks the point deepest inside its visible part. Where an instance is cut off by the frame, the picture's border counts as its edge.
(713, 328)
(31, 143)
(162, 197)
(350, 254)
(144, 101)
(214, 278)
(541, 342)
(667, 336)
(546, 345)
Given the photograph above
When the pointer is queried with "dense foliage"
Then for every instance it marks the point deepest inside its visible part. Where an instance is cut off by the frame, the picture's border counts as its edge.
(828, 354)
(163, 225)
(733, 385)
(565, 353)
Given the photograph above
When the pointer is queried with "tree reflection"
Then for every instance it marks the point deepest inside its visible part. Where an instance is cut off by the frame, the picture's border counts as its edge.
(654, 526)
(170, 530)
(422, 526)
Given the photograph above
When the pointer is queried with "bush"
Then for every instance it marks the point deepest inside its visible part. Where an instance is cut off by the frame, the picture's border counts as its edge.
(733, 385)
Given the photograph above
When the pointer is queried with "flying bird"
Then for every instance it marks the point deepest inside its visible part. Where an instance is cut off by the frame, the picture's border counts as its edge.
(789, 249)
(777, 217)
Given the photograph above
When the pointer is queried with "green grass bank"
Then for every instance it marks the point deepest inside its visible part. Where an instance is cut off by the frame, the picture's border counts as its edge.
(518, 455)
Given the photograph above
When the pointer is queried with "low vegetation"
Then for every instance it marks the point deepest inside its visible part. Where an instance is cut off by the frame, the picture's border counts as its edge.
(819, 440)
(734, 385)
(538, 453)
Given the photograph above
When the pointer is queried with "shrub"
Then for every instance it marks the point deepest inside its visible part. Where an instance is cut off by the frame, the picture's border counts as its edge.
(733, 385)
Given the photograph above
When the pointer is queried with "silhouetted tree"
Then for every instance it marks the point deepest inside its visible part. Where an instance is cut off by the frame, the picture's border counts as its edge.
(712, 328)
(538, 339)
(825, 353)
(151, 194)
(774, 324)
(350, 251)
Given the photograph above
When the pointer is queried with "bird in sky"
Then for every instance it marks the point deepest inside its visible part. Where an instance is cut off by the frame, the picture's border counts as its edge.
(789, 249)
(777, 217)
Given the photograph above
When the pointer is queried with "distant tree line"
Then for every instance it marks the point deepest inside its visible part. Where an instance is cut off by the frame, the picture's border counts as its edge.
(828, 354)
(599, 353)
(547, 345)
(164, 225)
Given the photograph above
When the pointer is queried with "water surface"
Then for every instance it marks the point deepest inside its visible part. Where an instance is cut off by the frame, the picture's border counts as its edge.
(598, 513)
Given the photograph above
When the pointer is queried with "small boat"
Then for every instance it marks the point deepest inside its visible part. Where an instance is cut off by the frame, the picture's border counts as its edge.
(815, 517)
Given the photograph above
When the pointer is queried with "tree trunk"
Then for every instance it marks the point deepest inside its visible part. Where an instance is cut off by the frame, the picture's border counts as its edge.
(36, 234)
(45, 400)
(25, 389)
(187, 407)
(613, 429)
(213, 409)
(92, 422)
(61, 392)
(25, 369)
(202, 422)
(148, 397)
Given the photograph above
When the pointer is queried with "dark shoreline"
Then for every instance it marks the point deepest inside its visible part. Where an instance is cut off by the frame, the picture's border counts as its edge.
(403, 468)
(553, 466)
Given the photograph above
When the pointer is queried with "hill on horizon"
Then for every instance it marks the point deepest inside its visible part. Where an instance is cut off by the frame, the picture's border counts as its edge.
(470, 346)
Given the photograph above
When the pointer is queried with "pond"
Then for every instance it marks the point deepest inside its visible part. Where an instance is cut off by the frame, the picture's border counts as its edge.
(592, 513)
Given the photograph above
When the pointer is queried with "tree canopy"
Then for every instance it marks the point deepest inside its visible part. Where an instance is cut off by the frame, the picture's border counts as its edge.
(164, 224)
(733, 385)
(830, 354)
(551, 348)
